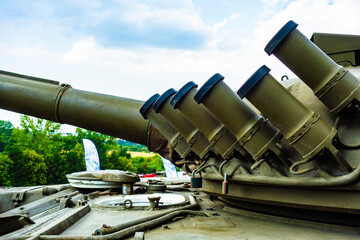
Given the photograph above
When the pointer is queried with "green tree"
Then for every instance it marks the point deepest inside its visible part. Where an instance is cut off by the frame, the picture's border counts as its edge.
(5, 133)
(74, 151)
(138, 148)
(148, 164)
(37, 153)
(76, 159)
(155, 164)
(70, 141)
(5, 170)
(118, 161)
(28, 168)
(123, 151)
(44, 138)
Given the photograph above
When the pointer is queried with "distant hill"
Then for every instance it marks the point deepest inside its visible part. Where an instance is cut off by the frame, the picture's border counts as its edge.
(128, 143)
(134, 147)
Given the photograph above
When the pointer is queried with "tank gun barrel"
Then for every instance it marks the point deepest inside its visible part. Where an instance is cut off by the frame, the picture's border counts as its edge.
(42, 98)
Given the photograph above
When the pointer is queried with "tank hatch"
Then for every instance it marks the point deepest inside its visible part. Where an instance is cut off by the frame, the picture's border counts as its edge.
(343, 49)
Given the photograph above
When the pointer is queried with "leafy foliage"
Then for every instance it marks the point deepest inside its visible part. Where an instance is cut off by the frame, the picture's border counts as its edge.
(37, 153)
(148, 164)
(30, 169)
(5, 167)
(134, 147)
(5, 133)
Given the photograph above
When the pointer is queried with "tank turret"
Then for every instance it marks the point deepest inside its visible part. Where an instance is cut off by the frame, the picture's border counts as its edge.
(271, 146)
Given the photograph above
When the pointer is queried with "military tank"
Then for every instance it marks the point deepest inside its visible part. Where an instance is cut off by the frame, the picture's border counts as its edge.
(275, 159)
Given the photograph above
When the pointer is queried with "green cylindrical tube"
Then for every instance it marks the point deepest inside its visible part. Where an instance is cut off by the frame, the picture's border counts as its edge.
(115, 116)
(197, 141)
(305, 130)
(223, 102)
(165, 128)
(223, 141)
(331, 83)
(252, 131)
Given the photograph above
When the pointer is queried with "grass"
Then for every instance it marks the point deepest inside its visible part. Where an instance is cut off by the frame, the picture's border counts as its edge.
(141, 154)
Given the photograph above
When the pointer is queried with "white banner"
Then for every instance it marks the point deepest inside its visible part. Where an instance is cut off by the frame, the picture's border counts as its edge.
(170, 168)
(91, 156)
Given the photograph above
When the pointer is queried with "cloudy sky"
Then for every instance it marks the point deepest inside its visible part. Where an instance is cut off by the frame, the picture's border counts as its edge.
(135, 48)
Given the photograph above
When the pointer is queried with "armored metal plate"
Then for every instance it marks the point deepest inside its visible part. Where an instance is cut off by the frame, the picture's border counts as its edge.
(349, 130)
(141, 200)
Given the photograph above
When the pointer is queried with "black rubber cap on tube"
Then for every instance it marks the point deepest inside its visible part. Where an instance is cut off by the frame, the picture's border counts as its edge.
(157, 105)
(179, 96)
(206, 88)
(145, 107)
(252, 81)
(280, 36)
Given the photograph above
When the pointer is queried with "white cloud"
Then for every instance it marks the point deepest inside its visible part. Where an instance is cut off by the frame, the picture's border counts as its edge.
(183, 18)
(312, 16)
(235, 16)
(140, 72)
(340, 16)
(268, 3)
(29, 52)
(81, 51)
(142, 15)
(88, 3)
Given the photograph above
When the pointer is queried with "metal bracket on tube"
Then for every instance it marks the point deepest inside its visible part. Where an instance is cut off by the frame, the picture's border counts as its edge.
(62, 89)
(337, 77)
(249, 133)
(306, 127)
